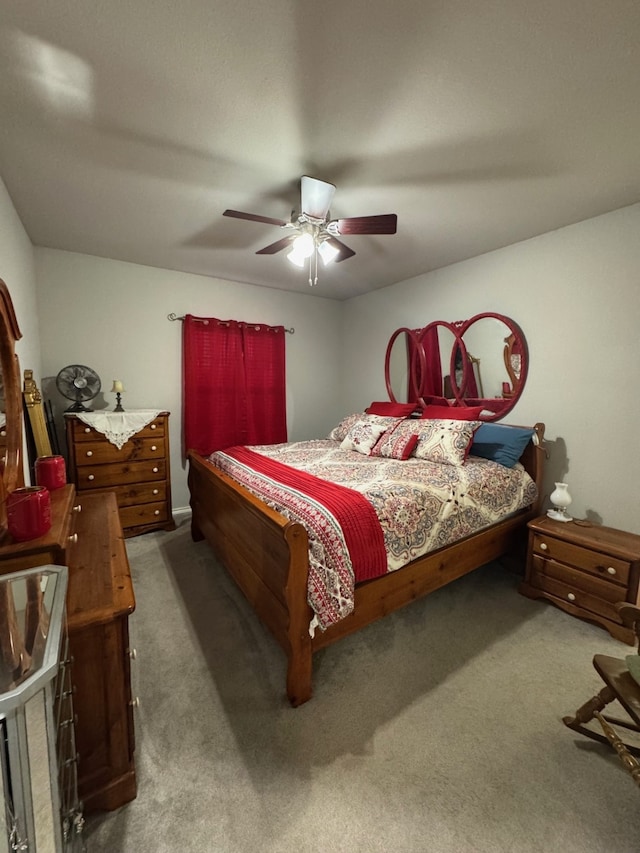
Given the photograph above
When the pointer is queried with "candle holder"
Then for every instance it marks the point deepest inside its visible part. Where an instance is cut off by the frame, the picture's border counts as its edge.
(118, 389)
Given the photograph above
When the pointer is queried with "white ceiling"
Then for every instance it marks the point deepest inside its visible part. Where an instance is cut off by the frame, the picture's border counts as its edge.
(126, 128)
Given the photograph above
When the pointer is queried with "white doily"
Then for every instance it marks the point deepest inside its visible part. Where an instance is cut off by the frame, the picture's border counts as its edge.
(118, 427)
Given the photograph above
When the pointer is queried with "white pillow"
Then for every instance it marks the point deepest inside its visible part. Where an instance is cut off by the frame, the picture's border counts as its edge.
(445, 441)
(362, 437)
(339, 433)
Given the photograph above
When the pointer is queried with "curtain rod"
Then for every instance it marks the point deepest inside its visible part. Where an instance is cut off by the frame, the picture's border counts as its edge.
(173, 317)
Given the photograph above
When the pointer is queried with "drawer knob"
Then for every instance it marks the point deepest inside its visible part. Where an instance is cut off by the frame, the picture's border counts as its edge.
(77, 508)
(571, 597)
(89, 452)
(157, 512)
(87, 429)
(91, 477)
(133, 653)
(611, 570)
(153, 447)
(155, 470)
(73, 538)
(156, 491)
(543, 546)
(135, 703)
(3, 433)
(153, 426)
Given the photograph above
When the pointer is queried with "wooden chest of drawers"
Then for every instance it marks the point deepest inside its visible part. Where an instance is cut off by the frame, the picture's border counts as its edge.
(138, 472)
(585, 570)
(86, 536)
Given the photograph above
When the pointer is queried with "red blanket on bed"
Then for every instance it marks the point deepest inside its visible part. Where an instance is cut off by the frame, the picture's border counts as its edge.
(353, 512)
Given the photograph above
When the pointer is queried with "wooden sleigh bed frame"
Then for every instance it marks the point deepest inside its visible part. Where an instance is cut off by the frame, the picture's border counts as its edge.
(266, 554)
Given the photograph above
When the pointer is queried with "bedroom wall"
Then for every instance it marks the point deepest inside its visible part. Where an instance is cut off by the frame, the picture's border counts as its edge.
(576, 294)
(112, 316)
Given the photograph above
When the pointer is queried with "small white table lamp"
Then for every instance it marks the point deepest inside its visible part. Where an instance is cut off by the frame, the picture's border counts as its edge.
(560, 498)
(118, 389)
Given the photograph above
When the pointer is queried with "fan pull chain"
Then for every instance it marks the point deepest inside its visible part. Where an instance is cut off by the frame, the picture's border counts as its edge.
(313, 261)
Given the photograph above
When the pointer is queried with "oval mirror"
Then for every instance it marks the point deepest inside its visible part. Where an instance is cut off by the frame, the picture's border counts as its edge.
(404, 366)
(11, 405)
(482, 361)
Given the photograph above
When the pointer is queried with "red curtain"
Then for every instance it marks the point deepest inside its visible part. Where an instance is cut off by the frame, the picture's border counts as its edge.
(233, 384)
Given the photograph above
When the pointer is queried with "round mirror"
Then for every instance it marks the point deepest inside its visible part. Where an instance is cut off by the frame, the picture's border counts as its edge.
(11, 403)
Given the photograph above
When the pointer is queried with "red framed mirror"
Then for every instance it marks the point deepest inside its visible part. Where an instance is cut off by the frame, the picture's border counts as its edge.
(482, 361)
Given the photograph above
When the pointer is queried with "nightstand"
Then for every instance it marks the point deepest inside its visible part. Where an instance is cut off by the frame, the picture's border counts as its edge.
(585, 570)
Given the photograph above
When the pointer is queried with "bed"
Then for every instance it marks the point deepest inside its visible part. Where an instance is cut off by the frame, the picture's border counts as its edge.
(268, 554)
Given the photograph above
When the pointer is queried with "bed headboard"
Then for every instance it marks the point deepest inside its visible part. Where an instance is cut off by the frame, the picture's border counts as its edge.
(533, 459)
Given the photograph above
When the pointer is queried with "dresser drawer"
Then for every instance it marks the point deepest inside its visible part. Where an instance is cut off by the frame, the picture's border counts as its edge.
(596, 563)
(582, 591)
(104, 453)
(132, 516)
(140, 493)
(81, 432)
(103, 476)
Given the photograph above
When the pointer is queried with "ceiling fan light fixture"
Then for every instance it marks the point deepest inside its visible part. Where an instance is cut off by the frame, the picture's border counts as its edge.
(302, 248)
(327, 252)
(304, 245)
(296, 258)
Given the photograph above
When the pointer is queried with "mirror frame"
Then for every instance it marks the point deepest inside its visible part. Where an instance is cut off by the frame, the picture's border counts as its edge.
(416, 368)
(458, 328)
(12, 472)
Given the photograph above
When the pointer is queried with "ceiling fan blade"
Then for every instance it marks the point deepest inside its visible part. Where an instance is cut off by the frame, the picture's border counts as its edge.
(316, 197)
(385, 224)
(272, 248)
(344, 251)
(253, 217)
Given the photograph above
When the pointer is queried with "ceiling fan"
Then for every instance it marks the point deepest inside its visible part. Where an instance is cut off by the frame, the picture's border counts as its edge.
(313, 233)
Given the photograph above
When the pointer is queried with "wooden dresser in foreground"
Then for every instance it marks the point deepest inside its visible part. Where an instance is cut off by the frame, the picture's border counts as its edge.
(86, 536)
(138, 472)
(585, 570)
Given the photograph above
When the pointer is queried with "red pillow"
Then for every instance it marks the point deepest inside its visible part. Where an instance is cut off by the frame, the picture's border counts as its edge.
(391, 410)
(452, 413)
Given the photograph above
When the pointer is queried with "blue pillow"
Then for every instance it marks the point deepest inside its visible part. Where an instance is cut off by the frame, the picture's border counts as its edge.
(503, 444)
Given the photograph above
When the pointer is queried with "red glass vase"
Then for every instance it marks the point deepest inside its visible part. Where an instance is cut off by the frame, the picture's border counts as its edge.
(51, 472)
(28, 513)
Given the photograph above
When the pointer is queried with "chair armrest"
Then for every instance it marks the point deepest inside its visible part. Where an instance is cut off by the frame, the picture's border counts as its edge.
(629, 613)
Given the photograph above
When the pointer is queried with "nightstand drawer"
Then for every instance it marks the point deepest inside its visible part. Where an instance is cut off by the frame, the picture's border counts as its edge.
(595, 562)
(578, 589)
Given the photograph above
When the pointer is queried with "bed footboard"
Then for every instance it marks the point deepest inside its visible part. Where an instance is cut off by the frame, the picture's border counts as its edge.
(267, 556)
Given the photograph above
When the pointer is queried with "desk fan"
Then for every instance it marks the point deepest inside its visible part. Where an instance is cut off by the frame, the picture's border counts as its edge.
(79, 383)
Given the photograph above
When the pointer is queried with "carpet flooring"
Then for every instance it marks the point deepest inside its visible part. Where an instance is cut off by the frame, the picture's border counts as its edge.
(437, 729)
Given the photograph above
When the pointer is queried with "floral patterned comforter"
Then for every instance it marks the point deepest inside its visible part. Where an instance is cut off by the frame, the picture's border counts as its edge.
(421, 506)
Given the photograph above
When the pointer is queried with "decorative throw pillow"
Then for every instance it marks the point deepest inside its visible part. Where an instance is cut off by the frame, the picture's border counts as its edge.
(501, 443)
(339, 433)
(445, 441)
(396, 444)
(362, 437)
(389, 409)
(454, 413)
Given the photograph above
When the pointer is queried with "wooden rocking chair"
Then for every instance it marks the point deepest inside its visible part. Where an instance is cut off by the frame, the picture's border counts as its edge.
(621, 685)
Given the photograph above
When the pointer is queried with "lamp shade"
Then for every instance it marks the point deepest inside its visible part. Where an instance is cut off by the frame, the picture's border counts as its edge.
(118, 387)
